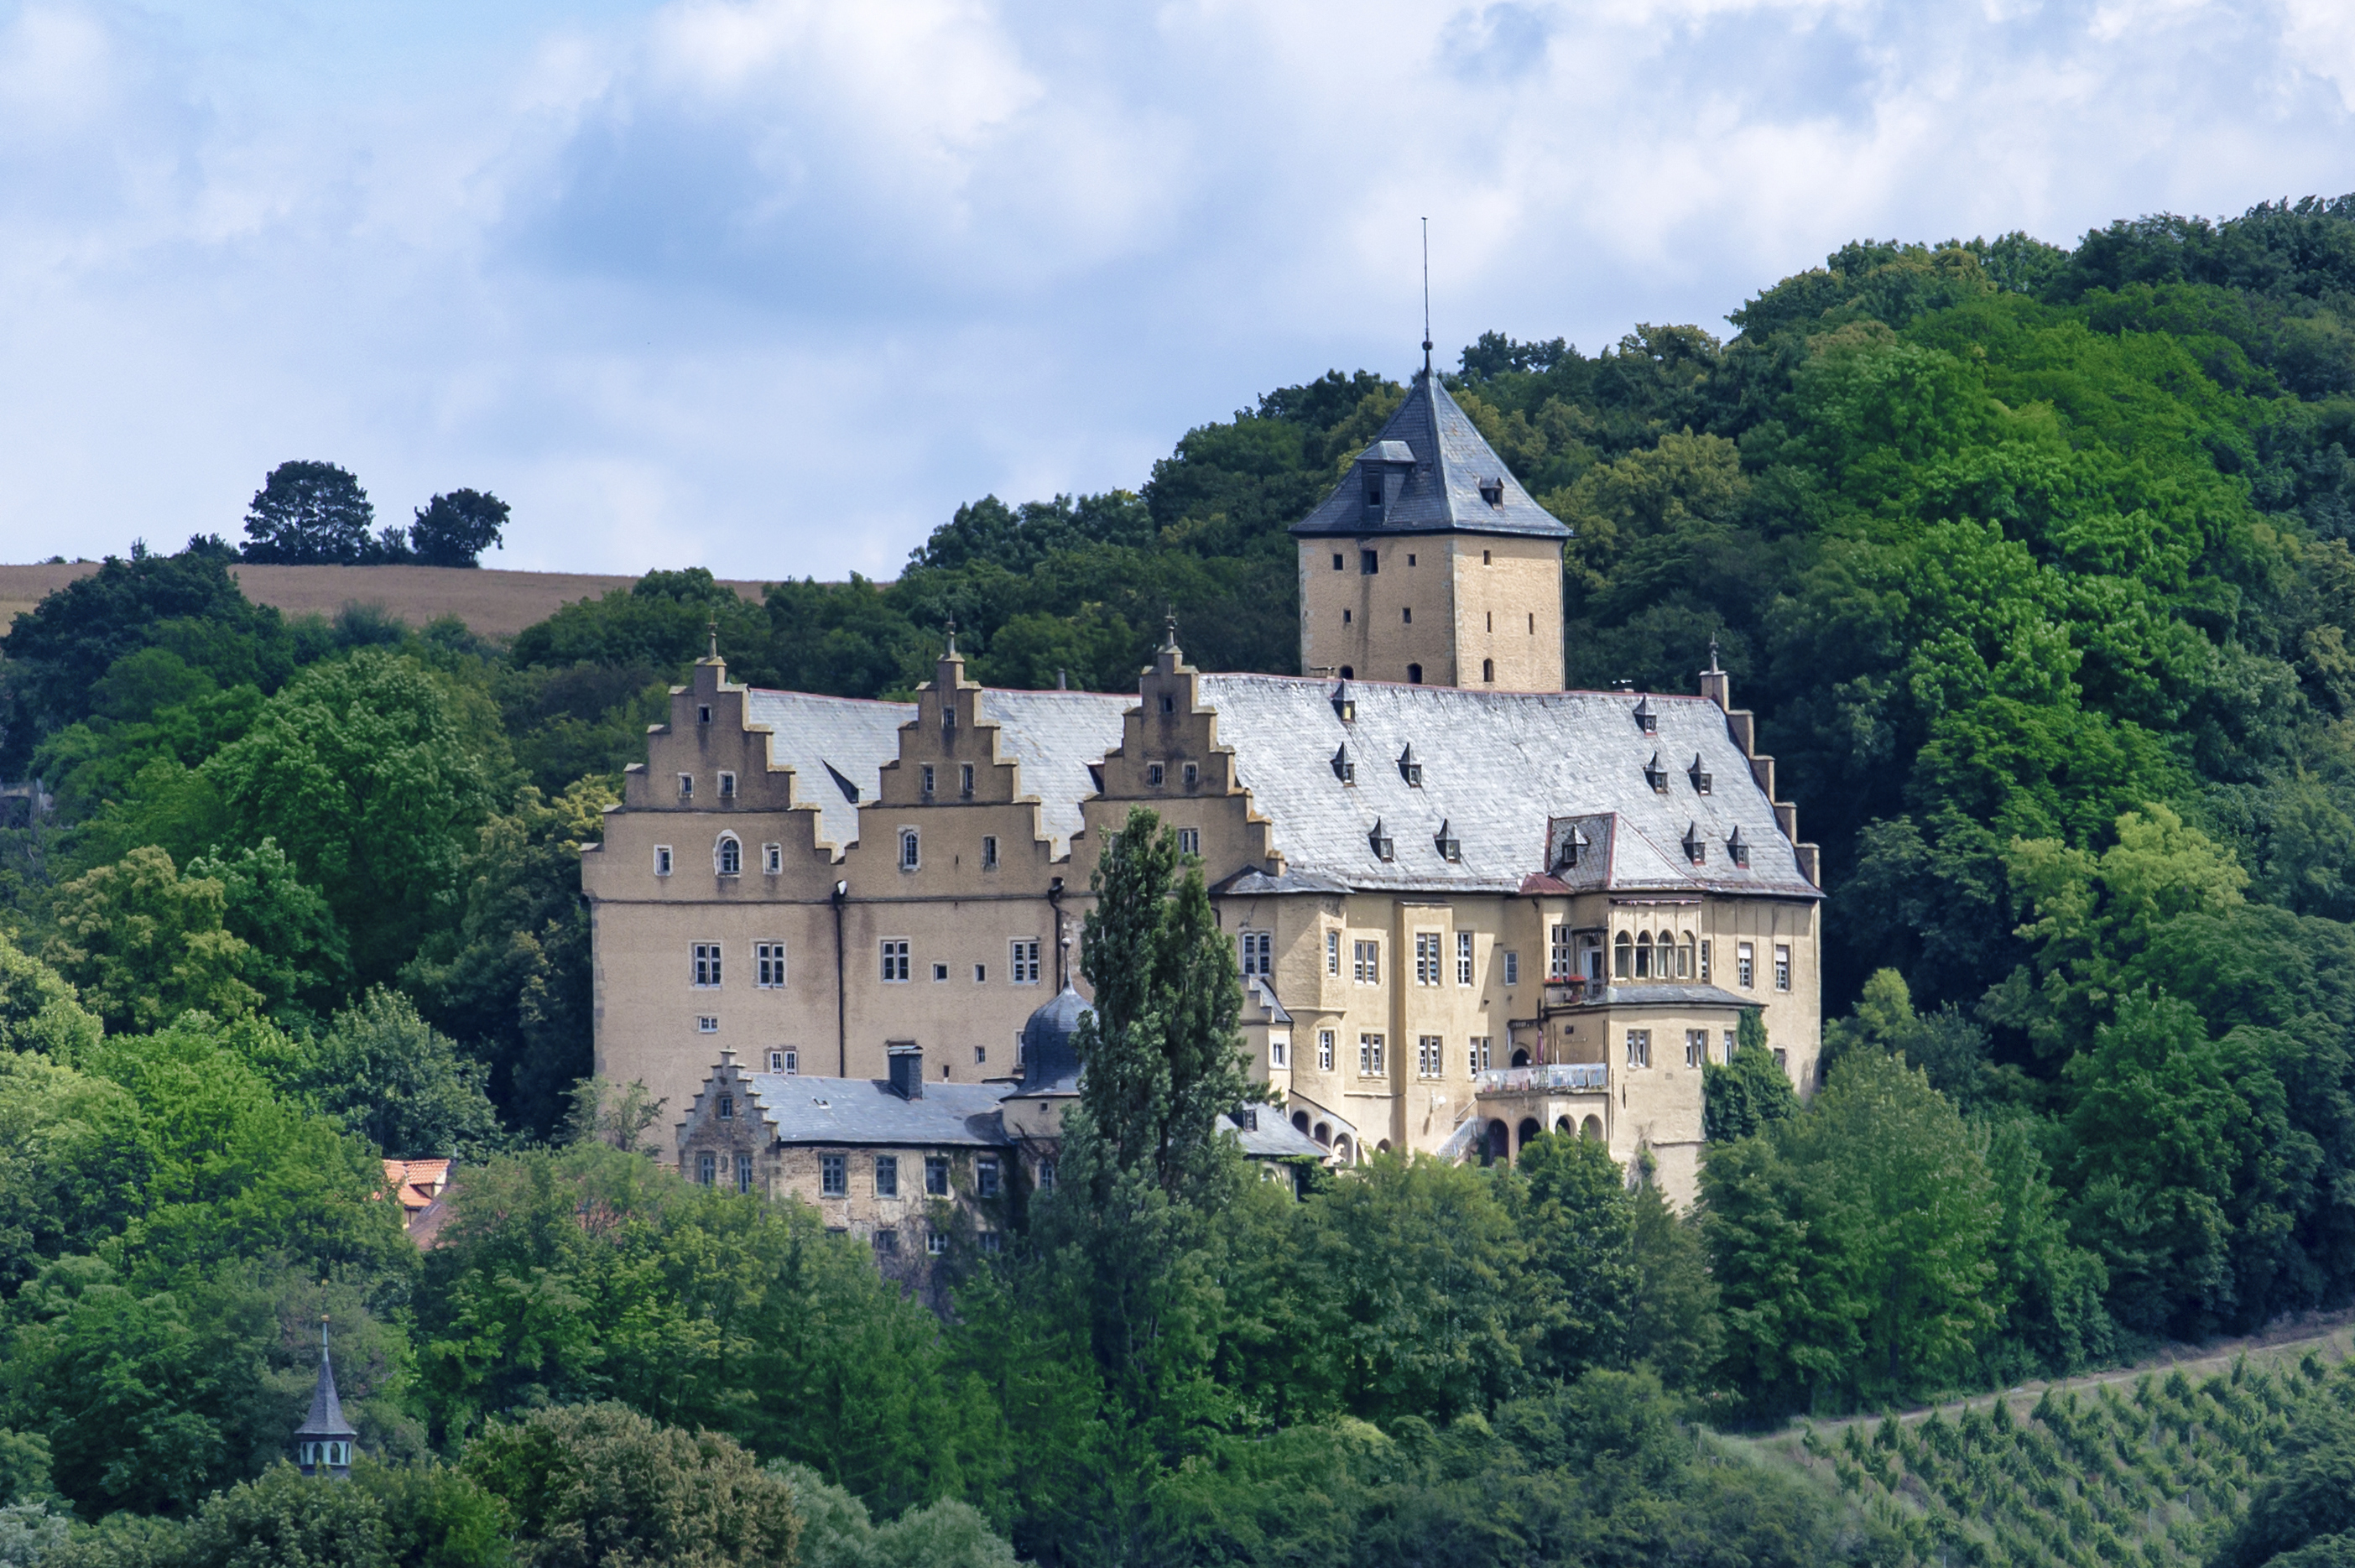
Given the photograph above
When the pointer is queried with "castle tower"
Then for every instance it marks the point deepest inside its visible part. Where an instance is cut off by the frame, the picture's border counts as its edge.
(1431, 564)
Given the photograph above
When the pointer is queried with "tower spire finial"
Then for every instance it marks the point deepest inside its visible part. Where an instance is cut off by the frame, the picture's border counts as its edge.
(952, 653)
(712, 627)
(1712, 657)
(1169, 629)
(1426, 298)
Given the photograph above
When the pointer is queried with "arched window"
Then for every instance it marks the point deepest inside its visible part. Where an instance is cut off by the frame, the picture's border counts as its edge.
(731, 856)
(1341, 1147)
(1498, 1145)
(1685, 959)
(1562, 1124)
(1623, 957)
(1529, 1129)
(1414, 675)
(1324, 1134)
(1520, 1059)
(1488, 670)
(1300, 1120)
(1591, 1128)
(1644, 956)
(908, 856)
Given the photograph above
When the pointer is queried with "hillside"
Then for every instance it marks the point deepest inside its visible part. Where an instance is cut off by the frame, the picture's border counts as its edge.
(492, 604)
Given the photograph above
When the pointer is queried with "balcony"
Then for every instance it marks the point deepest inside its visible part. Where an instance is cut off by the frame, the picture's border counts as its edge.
(1558, 1078)
(1561, 992)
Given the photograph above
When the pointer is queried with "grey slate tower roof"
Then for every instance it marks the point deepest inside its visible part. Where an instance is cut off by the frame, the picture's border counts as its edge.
(1437, 475)
(1051, 1064)
(326, 1417)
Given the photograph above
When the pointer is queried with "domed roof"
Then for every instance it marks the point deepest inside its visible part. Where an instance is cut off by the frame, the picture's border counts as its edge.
(1050, 1063)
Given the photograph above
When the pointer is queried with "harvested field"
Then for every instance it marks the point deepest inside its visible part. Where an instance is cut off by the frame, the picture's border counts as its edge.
(492, 604)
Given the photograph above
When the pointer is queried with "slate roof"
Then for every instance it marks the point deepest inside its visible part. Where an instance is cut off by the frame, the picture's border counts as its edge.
(326, 1417)
(1441, 493)
(1054, 735)
(1497, 768)
(1272, 1137)
(863, 1111)
(1666, 996)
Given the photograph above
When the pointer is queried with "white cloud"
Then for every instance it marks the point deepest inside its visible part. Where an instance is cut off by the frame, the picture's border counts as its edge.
(771, 285)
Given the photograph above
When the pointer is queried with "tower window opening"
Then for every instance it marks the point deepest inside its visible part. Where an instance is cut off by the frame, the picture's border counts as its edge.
(1339, 561)
(1414, 675)
(1370, 563)
(1488, 671)
(1406, 613)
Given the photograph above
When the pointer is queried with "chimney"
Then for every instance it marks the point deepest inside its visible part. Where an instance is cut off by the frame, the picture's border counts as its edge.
(907, 1060)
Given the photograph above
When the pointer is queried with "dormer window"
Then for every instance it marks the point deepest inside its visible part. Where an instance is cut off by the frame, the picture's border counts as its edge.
(1344, 768)
(1699, 776)
(1574, 849)
(1449, 846)
(1492, 491)
(1656, 775)
(1382, 846)
(1739, 850)
(1696, 846)
(1409, 769)
(1646, 718)
(1345, 707)
(1373, 491)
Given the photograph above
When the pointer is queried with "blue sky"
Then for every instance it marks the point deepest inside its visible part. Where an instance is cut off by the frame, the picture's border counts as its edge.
(770, 286)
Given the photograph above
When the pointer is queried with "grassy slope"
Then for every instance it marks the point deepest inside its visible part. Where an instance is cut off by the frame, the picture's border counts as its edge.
(2151, 1465)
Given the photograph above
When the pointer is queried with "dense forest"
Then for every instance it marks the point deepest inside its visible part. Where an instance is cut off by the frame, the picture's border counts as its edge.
(2035, 563)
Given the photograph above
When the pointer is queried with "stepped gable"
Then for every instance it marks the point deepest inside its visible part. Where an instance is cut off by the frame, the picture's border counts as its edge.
(1437, 475)
(1500, 770)
(837, 745)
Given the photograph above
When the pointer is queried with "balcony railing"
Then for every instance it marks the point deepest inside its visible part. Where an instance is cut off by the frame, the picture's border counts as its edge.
(1563, 1077)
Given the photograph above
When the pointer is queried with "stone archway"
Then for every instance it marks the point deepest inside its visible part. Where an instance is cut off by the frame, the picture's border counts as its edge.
(1531, 1127)
(1498, 1145)
(1591, 1128)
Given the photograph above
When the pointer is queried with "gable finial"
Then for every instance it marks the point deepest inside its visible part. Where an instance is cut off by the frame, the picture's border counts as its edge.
(952, 653)
(712, 627)
(1426, 298)
(1169, 629)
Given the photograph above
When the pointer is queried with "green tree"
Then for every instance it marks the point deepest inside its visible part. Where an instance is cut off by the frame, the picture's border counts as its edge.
(40, 1010)
(388, 1075)
(1852, 1245)
(1750, 1092)
(456, 529)
(296, 956)
(1672, 1319)
(361, 773)
(309, 513)
(837, 1532)
(1576, 1214)
(599, 1484)
(144, 944)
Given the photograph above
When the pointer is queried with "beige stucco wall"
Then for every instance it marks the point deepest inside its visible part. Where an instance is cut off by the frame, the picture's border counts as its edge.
(1470, 610)
(956, 914)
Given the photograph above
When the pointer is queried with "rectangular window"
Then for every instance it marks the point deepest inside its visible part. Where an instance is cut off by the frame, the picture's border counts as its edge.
(1332, 952)
(1463, 957)
(1276, 1050)
(1189, 841)
(991, 1242)
(686, 786)
(886, 1244)
(895, 959)
(1639, 1048)
(707, 966)
(1154, 774)
(1370, 963)
(981, 1056)
(1696, 1047)
(768, 964)
(788, 1062)
(833, 1176)
(936, 1243)
(706, 1168)
(1782, 966)
(1046, 1176)
(1324, 1051)
(1024, 956)
(940, 972)
(1258, 948)
(1426, 959)
(727, 786)
(1193, 774)
(909, 858)
(1430, 1055)
(1704, 960)
(980, 974)
(887, 1176)
(985, 1176)
(936, 1175)
(662, 859)
(1369, 1053)
(1477, 1056)
(989, 851)
(706, 1026)
(1782, 1059)
(928, 778)
(772, 858)
(1741, 965)
(1732, 1042)
(1558, 952)
(744, 1172)
(1512, 968)
(727, 1107)
(964, 780)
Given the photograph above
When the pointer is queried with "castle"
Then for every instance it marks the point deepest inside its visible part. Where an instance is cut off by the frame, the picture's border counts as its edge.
(1466, 904)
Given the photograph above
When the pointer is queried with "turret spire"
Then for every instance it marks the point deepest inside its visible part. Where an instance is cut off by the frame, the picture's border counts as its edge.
(323, 1444)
